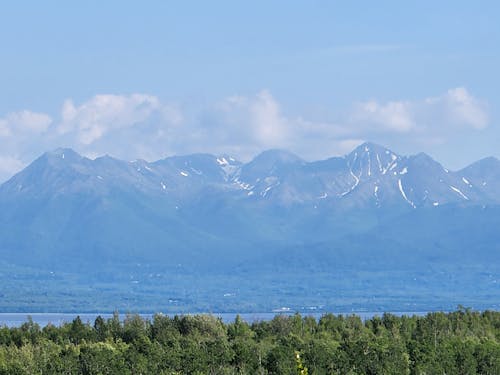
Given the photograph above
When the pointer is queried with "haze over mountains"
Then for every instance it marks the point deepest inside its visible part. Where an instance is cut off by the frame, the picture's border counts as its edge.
(341, 231)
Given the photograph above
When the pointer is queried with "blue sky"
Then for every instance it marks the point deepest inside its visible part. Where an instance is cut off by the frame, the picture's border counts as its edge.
(155, 78)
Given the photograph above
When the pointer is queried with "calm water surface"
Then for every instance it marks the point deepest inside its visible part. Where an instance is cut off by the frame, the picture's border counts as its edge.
(16, 319)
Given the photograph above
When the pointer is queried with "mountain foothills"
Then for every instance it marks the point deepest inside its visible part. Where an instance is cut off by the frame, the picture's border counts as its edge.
(371, 230)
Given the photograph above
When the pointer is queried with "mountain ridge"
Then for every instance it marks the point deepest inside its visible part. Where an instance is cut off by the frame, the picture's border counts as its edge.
(276, 231)
(369, 173)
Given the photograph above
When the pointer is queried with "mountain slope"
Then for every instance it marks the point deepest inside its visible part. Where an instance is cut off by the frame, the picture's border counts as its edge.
(201, 220)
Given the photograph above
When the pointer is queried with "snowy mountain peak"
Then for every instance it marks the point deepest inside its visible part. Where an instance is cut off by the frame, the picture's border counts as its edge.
(369, 176)
(368, 147)
(225, 159)
(370, 160)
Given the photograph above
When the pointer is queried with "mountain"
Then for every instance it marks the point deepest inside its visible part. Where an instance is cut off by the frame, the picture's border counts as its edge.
(273, 231)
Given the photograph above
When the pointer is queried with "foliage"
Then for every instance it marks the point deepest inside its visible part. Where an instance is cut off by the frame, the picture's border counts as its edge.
(461, 342)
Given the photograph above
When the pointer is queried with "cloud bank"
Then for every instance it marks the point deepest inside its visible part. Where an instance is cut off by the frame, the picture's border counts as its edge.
(144, 126)
(455, 109)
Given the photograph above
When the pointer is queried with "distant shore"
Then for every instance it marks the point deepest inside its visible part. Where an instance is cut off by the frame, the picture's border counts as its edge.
(58, 319)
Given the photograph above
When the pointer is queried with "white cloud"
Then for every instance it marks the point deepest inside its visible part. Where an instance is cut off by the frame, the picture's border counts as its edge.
(104, 113)
(454, 110)
(250, 124)
(121, 125)
(125, 126)
(270, 126)
(21, 134)
(24, 122)
(247, 125)
(10, 165)
(256, 118)
(143, 126)
(460, 108)
(4, 128)
(395, 116)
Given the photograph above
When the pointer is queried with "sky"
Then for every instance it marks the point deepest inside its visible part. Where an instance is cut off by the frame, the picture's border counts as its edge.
(152, 79)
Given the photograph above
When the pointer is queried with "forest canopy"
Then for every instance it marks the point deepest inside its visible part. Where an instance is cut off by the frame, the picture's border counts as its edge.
(460, 342)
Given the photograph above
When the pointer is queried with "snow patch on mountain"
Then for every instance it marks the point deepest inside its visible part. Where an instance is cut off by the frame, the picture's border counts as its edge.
(222, 161)
(400, 185)
(456, 190)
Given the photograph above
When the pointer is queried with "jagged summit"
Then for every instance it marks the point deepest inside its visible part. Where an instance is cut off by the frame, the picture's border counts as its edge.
(367, 147)
(63, 150)
(156, 228)
(370, 175)
(66, 154)
(276, 156)
(370, 160)
(202, 210)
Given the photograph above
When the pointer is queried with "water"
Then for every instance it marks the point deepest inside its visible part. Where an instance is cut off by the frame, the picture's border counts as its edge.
(57, 319)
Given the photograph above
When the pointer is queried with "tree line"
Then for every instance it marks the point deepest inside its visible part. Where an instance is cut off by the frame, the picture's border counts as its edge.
(460, 342)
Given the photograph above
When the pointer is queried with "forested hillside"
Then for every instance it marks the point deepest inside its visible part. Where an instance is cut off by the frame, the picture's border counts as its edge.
(462, 342)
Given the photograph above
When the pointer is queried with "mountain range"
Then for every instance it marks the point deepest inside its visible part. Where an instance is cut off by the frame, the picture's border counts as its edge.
(369, 230)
